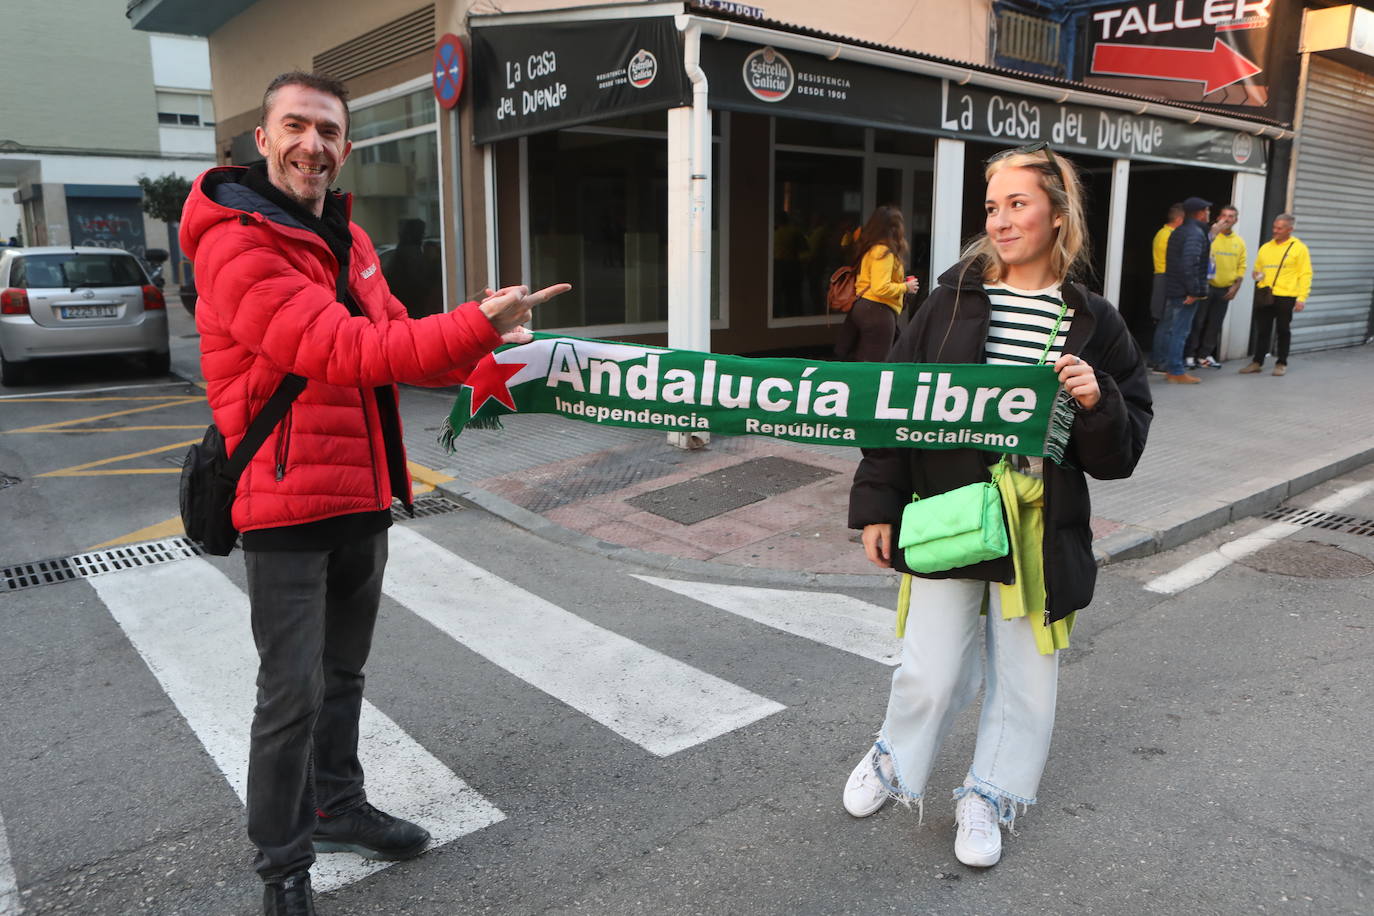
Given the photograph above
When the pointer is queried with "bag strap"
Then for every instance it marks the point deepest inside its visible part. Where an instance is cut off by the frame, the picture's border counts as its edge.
(1004, 462)
(1280, 270)
(263, 424)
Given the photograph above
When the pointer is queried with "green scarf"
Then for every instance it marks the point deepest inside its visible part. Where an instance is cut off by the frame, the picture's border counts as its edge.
(1014, 409)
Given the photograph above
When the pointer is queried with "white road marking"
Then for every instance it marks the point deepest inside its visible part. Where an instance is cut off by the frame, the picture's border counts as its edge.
(9, 886)
(1200, 569)
(838, 621)
(191, 625)
(658, 702)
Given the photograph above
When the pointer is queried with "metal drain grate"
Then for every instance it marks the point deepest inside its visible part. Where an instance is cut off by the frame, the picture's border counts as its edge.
(95, 562)
(1329, 521)
(425, 506)
(152, 553)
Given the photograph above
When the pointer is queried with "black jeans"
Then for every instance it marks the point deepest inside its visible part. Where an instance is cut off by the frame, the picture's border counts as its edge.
(1267, 318)
(868, 332)
(313, 614)
(1206, 335)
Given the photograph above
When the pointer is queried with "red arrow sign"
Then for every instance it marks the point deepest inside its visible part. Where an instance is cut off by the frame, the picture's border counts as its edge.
(1216, 69)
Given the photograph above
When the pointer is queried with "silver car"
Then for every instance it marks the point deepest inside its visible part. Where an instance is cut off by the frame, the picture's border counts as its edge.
(77, 302)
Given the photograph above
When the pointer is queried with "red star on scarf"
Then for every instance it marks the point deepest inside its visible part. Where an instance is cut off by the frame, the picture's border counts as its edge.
(488, 380)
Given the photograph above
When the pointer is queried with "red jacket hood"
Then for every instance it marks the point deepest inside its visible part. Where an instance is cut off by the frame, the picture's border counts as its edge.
(218, 194)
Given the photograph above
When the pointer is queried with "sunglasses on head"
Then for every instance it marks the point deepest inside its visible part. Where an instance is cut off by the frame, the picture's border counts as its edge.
(1042, 146)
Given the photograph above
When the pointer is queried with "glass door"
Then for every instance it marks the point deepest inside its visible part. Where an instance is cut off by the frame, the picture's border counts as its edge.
(906, 182)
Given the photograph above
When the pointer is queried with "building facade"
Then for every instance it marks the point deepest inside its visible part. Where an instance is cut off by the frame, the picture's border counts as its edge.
(695, 169)
(93, 106)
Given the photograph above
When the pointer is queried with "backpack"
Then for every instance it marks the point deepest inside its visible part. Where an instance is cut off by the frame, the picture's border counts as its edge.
(840, 295)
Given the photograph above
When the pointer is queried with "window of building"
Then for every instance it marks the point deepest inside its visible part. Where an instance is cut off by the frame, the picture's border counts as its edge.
(393, 173)
(598, 219)
(185, 108)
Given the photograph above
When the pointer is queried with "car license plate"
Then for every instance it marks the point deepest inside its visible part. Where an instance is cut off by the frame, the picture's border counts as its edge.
(90, 311)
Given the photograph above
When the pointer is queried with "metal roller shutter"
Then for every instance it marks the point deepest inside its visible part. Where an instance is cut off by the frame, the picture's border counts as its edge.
(1333, 197)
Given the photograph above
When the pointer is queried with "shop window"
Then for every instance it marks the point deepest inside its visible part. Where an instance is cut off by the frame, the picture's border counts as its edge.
(598, 219)
(395, 185)
(796, 132)
(414, 109)
(817, 200)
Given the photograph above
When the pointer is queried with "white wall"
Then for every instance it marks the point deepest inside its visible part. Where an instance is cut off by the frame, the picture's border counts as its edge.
(196, 141)
(11, 214)
(109, 169)
(180, 63)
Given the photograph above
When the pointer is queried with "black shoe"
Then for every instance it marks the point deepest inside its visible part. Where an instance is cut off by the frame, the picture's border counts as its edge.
(289, 897)
(370, 833)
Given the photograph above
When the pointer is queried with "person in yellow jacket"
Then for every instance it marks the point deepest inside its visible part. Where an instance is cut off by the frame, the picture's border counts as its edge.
(871, 325)
(1158, 249)
(1283, 274)
(1225, 274)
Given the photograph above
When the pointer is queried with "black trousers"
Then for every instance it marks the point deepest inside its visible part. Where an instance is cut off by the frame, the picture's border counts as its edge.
(1278, 316)
(313, 615)
(868, 333)
(1206, 334)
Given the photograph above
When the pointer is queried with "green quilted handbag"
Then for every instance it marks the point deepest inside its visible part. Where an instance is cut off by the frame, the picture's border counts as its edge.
(954, 529)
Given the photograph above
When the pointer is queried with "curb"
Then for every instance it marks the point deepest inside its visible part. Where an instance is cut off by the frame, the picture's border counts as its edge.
(1131, 543)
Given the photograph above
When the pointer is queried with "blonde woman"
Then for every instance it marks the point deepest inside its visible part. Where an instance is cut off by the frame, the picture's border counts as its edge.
(871, 325)
(1008, 299)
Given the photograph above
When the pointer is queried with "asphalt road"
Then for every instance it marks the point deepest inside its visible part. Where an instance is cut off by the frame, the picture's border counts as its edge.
(1211, 756)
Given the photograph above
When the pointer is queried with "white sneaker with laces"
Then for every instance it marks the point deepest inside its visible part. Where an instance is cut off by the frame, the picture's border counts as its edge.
(864, 793)
(978, 841)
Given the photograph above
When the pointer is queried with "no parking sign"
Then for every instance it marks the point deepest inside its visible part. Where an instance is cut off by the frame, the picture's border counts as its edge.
(449, 70)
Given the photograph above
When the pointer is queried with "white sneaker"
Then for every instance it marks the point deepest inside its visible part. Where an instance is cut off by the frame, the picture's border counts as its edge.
(979, 839)
(864, 793)
(1190, 363)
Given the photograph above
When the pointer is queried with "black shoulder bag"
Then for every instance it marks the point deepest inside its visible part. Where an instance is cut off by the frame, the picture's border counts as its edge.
(1264, 295)
(210, 477)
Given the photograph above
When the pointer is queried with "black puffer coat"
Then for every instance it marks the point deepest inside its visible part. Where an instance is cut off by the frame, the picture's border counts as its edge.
(1106, 442)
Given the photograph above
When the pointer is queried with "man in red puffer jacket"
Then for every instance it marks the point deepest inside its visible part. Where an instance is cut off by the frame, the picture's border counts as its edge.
(290, 286)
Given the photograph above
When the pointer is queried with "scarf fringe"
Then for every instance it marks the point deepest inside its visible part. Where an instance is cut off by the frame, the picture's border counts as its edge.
(1061, 426)
(448, 434)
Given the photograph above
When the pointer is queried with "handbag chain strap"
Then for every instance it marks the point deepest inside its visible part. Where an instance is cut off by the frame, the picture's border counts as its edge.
(1003, 463)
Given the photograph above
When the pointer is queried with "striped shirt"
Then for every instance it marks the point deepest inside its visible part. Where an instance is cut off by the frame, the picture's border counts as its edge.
(1021, 322)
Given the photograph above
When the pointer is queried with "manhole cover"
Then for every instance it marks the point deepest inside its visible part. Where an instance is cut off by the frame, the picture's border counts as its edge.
(1309, 559)
(729, 488)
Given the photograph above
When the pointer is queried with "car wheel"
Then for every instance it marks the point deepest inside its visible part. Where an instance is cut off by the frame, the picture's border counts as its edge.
(11, 373)
(158, 363)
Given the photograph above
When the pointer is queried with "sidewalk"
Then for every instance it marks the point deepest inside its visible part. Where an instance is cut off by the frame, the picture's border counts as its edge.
(774, 512)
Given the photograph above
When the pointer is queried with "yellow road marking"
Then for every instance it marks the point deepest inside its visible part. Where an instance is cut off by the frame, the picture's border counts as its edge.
(82, 470)
(168, 529)
(143, 397)
(428, 479)
(56, 427)
(110, 429)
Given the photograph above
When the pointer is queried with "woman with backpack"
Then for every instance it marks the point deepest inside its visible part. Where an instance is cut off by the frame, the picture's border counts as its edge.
(870, 327)
(1010, 301)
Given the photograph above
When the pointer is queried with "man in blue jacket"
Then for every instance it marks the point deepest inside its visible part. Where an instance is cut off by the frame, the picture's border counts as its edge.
(1185, 285)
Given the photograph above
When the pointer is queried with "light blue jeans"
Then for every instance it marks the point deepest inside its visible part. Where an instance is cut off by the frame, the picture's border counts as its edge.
(942, 668)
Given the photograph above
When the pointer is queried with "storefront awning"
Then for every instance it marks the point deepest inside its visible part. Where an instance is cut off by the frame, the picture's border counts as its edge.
(543, 71)
(530, 78)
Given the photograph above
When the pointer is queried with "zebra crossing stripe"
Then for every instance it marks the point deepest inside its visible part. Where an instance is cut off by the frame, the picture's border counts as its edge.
(9, 886)
(658, 702)
(191, 625)
(839, 621)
